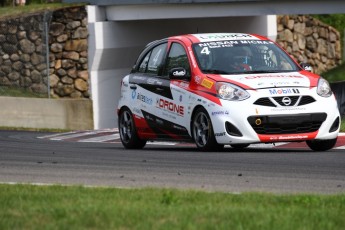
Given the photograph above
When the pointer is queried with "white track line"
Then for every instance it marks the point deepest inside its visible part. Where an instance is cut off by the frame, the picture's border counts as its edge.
(102, 138)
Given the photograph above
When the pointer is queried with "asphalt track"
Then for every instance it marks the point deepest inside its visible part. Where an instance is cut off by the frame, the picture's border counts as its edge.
(46, 158)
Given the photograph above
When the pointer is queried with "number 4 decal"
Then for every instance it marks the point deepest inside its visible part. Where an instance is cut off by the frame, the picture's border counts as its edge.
(205, 50)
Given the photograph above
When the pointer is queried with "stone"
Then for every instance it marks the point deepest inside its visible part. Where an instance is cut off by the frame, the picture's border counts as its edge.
(4, 81)
(83, 75)
(290, 24)
(56, 47)
(41, 67)
(39, 88)
(57, 64)
(80, 32)
(72, 25)
(299, 27)
(56, 29)
(62, 38)
(14, 57)
(12, 39)
(81, 85)
(76, 45)
(67, 80)
(54, 80)
(311, 44)
(13, 76)
(321, 46)
(72, 73)
(67, 64)
(2, 38)
(286, 35)
(37, 59)
(33, 35)
(76, 94)
(21, 35)
(71, 55)
(332, 36)
(27, 46)
(36, 76)
(61, 72)
(25, 82)
(9, 48)
(25, 57)
(18, 66)
(301, 41)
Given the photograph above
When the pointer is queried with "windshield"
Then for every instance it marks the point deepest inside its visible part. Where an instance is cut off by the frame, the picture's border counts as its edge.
(242, 56)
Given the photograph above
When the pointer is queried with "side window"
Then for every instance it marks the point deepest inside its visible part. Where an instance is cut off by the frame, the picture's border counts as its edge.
(156, 58)
(143, 64)
(177, 58)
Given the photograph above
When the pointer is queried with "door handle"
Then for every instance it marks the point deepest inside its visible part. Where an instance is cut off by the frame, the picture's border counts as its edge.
(133, 87)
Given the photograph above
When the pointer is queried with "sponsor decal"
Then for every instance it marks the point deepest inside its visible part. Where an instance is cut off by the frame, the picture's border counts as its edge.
(288, 109)
(192, 57)
(207, 83)
(170, 106)
(180, 99)
(290, 137)
(179, 73)
(144, 98)
(219, 134)
(216, 44)
(273, 76)
(224, 36)
(260, 42)
(215, 113)
(153, 81)
(283, 91)
(134, 93)
(197, 79)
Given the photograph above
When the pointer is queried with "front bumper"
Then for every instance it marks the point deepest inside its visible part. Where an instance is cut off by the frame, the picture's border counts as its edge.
(310, 117)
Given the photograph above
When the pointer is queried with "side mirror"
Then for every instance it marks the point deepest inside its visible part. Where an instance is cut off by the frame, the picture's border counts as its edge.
(307, 67)
(178, 73)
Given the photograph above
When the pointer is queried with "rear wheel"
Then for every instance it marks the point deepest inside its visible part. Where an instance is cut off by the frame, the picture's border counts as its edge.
(322, 145)
(202, 131)
(128, 132)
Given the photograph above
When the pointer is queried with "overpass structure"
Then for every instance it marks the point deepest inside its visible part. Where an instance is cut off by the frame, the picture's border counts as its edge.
(119, 30)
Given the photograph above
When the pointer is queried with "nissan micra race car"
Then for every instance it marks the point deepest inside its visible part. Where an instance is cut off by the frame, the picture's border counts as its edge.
(224, 89)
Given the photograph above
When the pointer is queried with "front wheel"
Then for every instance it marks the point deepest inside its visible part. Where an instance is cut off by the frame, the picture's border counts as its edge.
(127, 130)
(322, 145)
(202, 131)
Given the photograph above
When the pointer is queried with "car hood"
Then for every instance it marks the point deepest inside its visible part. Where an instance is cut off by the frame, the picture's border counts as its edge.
(269, 80)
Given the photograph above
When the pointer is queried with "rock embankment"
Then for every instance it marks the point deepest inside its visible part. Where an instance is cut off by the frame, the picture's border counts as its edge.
(309, 40)
(24, 62)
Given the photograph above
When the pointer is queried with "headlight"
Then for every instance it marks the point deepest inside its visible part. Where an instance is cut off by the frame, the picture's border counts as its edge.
(231, 92)
(323, 88)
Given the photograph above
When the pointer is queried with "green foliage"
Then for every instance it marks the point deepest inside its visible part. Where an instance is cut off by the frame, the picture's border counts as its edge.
(335, 20)
(74, 207)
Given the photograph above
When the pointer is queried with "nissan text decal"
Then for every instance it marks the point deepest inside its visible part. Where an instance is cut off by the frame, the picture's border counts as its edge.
(170, 106)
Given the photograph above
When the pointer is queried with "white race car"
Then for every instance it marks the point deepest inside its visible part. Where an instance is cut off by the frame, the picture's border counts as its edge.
(224, 89)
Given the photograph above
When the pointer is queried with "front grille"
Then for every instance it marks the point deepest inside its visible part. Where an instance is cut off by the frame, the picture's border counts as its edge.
(287, 124)
(278, 101)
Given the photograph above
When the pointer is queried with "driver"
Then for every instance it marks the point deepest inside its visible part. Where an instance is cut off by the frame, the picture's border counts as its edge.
(240, 59)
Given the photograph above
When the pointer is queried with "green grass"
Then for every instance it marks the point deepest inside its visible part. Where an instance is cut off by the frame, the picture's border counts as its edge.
(11, 11)
(58, 207)
(20, 92)
(335, 74)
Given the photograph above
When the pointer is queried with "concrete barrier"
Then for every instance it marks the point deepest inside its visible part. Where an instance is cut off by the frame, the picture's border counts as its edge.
(71, 114)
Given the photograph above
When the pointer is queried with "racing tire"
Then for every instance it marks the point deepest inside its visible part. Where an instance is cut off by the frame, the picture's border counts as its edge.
(321, 145)
(128, 132)
(239, 146)
(202, 131)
